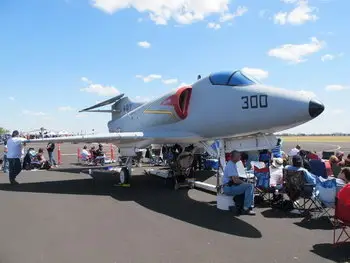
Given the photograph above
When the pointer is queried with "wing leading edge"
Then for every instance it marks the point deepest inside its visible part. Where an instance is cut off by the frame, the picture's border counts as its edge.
(125, 138)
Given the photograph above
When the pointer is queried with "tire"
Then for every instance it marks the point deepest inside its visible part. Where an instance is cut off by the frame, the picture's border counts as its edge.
(124, 176)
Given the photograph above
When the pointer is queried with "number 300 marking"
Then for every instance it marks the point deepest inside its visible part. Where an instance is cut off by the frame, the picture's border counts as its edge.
(254, 102)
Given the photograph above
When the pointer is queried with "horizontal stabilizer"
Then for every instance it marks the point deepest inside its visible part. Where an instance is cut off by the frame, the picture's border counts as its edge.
(104, 103)
(103, 111)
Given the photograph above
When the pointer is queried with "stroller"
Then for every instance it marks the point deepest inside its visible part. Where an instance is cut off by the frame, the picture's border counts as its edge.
(182, 169)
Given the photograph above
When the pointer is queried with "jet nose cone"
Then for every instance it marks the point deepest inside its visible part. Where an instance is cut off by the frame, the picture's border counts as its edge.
(315, 108)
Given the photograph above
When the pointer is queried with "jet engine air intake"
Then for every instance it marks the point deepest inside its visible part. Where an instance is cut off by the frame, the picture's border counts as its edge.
(180, 101)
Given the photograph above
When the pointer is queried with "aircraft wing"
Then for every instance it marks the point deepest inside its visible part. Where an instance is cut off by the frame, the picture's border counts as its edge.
(125, 137)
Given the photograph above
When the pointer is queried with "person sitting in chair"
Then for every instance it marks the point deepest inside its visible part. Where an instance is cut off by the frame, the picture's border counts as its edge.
(343, 178)
(297, 162)
(44, 164)
(85, 154)
(100, 156)
(233, 185)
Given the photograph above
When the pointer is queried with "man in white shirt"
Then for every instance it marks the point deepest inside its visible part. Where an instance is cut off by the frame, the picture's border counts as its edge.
(294, 151)
(85, 155)
(14, 154)
(233, 185)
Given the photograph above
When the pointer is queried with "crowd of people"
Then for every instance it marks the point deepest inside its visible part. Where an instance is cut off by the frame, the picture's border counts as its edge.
(275, 161)
(93, 155)
(15, 159)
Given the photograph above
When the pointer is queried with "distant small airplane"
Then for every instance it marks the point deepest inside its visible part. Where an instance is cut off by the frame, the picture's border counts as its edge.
(223, 105)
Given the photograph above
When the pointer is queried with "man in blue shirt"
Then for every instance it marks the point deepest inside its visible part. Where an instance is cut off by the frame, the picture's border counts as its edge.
(233, 185)
(298, 166)
(277, 150)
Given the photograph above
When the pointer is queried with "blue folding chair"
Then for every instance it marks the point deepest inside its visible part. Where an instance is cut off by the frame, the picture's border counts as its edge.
(318, 167)
(326, 191)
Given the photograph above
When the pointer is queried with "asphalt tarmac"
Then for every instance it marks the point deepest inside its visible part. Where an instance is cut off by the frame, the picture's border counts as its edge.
(64, 216)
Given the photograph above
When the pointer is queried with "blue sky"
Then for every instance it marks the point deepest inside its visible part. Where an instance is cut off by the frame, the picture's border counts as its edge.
(59, 56)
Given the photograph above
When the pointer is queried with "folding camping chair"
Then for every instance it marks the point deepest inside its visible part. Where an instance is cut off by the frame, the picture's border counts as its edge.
(342, 220)
(296, 188)
(318, 167)
(326, 191)
(262, 186)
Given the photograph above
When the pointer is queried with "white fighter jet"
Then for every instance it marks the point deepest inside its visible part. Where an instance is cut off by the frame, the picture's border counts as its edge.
(223, 105)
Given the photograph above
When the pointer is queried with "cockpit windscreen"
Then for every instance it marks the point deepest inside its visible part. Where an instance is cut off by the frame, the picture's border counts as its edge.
(236, 78)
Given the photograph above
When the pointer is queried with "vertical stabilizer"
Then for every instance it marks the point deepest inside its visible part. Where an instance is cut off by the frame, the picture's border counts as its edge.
(122, 107)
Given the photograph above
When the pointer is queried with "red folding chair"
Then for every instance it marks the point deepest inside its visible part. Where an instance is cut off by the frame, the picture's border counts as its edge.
(342, 216)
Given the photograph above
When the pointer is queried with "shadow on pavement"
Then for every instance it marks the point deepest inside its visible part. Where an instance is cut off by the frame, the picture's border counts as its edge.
(277, 213)
(150, 194)
(316, 224)
(339, 254)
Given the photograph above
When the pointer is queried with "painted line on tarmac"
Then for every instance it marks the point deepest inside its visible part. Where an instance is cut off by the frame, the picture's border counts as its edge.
(335, 149)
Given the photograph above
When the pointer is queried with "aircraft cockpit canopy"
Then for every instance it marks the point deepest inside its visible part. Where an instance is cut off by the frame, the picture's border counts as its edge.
(236, 78)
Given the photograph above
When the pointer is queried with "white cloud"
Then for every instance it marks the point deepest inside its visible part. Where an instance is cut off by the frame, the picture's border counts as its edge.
(327, 57)
(256, 73)
(307, 93)
(170, 81)
(84, 79)
(140, 99)
(299, 15)
(149, 78)
(33, 113)
(99, 89)
(297, 53)
(66, 108)
(161, 11)
(184, 84)
(214, 26)
(336, 87)
(11, 98)
(144, 44)
(240, 11)
(226, 16)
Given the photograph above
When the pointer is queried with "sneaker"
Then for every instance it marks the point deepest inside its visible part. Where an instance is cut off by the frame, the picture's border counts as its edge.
(248, 212)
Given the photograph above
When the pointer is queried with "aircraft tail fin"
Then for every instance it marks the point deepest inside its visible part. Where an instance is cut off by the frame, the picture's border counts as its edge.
(122, 107)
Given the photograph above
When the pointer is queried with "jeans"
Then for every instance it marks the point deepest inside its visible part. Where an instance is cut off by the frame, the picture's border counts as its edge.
(15, 168)
(52, 160)
(247, 189)
(5, 166)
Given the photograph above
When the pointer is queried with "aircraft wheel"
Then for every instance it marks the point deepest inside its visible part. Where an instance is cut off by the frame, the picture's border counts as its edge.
(124, 176)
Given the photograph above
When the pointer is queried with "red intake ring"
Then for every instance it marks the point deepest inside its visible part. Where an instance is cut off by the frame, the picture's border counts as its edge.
(180, 101)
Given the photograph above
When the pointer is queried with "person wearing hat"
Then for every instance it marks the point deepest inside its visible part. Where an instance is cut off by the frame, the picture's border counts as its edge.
(276, 172)
(14, 154)
(297, 165)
